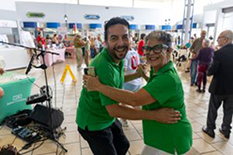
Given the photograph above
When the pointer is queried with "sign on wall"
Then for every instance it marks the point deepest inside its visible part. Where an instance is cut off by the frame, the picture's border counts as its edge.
(35, 15)
(92, 17)
(129, 18)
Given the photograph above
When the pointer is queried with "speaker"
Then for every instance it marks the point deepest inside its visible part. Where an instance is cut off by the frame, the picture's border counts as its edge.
(40, 115)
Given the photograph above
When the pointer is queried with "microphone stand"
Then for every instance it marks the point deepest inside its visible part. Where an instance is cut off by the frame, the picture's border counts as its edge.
(51, 135)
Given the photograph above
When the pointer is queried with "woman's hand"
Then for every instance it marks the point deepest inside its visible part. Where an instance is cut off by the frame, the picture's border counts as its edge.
(141, 70)
(91, 83)
(166, 115)
(1, 71)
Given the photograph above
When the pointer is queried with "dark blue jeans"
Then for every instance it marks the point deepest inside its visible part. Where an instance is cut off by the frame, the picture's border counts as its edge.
(110, 141)
(193, 72)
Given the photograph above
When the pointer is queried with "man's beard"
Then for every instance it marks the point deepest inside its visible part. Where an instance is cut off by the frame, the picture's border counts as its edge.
(115, 52)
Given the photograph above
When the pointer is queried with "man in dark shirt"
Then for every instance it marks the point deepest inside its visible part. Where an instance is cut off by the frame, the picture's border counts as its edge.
(221, 87)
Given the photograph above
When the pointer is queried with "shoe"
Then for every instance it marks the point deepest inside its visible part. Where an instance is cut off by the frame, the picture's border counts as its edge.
(199, 90)
(203, 90)
(209, 132)
(226, 134)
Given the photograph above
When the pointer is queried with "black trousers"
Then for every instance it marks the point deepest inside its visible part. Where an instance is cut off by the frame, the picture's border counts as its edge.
(110, 141)
(214, 104)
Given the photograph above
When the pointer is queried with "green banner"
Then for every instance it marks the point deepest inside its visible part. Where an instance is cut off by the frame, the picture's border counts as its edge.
(35, 15)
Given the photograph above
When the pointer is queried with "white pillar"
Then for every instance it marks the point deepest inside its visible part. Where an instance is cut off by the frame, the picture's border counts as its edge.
(219, 21)
(187, 24)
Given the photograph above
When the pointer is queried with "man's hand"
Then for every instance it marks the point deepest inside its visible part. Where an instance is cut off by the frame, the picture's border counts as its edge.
(166, 115)
(1, 71)
(91, 83)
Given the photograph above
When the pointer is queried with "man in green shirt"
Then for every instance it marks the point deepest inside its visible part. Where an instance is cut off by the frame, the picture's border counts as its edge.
(96, 112)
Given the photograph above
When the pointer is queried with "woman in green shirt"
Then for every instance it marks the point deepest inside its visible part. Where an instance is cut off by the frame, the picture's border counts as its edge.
(164, 89)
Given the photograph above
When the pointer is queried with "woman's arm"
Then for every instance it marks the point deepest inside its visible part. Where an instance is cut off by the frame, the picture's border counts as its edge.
(142, 97)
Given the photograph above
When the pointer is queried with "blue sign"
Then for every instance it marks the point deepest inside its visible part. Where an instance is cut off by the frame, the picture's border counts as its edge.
(53, 25)
(166, 27)
(133, 27)
(71, 25)
(194, 25)
(92, 17)
(94, 26)
(179, 27)
(129, 18)
(150, 27)
(79, 26)
(29, 24)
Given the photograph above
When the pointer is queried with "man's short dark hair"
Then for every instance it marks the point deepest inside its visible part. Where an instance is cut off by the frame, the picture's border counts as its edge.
(114, 21)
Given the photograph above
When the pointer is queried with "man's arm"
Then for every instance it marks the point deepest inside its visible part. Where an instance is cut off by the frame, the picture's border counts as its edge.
(213, 70)
(163, 115)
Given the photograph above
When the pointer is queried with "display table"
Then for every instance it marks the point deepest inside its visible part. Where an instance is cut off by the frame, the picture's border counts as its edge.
(71, 50)
(51, 58)
(17, 88)
(14, 57)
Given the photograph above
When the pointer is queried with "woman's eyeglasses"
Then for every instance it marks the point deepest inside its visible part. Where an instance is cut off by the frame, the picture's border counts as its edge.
(157, 49)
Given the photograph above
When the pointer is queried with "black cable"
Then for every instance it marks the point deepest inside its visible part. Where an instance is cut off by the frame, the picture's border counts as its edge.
(34, 147)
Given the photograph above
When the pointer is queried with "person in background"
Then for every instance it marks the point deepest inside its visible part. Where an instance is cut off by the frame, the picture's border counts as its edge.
(97, 113)
(141, 43)
(78, 44)
(66, 41)
(55, 39)
(39, 40)
(194, 49)
(131, 63)
(86, 51)
(204, 58)
(164, 89)
(48, 40)
(93, 47)
(221, 86)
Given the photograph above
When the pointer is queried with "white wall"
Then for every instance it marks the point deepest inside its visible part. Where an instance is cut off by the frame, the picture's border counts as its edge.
(8, 5)
(55, 13)
(7, 10)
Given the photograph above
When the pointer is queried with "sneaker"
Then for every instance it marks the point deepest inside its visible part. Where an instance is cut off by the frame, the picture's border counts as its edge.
(226, 134)
(209, 132)
(124, 123)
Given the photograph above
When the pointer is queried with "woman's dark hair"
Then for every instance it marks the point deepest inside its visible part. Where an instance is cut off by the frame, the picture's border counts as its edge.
(114, 21)
(142, 36)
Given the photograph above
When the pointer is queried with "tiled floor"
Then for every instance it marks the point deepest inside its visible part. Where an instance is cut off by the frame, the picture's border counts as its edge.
(68, 95)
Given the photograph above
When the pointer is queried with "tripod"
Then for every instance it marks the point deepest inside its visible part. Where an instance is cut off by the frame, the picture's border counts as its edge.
(51, 133)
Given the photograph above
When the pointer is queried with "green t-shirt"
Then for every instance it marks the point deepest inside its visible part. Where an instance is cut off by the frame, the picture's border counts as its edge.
(165, 86)
(91, 111)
